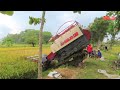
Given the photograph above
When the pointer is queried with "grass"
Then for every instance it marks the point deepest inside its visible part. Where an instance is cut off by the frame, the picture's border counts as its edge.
(14, 65)
(89, 70)
(91, 65)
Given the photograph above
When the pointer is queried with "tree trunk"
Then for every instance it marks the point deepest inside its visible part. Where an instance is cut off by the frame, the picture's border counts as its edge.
(98, 44)
(112, 41)
(40, 47)
(33, 44)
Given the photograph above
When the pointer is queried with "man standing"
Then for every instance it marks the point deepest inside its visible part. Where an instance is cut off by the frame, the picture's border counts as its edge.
(89, 49)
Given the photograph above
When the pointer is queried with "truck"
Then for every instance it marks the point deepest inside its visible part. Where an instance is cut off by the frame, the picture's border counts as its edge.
(68, 47)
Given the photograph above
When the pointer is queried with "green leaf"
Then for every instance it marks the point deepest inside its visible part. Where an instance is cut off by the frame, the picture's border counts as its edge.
(10, 13)
(35, 21)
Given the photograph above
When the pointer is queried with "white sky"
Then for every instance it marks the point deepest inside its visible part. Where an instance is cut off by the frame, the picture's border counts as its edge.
(54, 19)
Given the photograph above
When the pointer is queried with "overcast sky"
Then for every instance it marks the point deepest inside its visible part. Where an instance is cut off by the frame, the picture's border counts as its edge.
(54, 19)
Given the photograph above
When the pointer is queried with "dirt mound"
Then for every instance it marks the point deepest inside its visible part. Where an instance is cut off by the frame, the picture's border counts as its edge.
(67, 73)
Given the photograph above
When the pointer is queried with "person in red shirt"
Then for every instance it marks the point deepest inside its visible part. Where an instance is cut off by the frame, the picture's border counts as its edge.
(89, 49)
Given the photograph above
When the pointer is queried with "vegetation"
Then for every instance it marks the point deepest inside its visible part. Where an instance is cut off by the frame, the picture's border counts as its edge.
(10, 13)
(90, 67)
(101, 29)
(117, 15)
(29, 36)
(15, 48)
(114, 28)
(36, 21)
(14, 65)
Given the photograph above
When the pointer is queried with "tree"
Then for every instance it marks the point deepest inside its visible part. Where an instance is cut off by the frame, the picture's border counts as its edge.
(114, 28)
(112, 31)
(10, 13)
(7, 41)
(36, 21)
(117, 15)
(40, 46)
(31, 36)
(46, 36)
(99, 30)
(15, 37)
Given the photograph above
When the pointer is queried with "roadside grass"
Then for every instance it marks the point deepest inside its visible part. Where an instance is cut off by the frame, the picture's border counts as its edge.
(92, 65)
